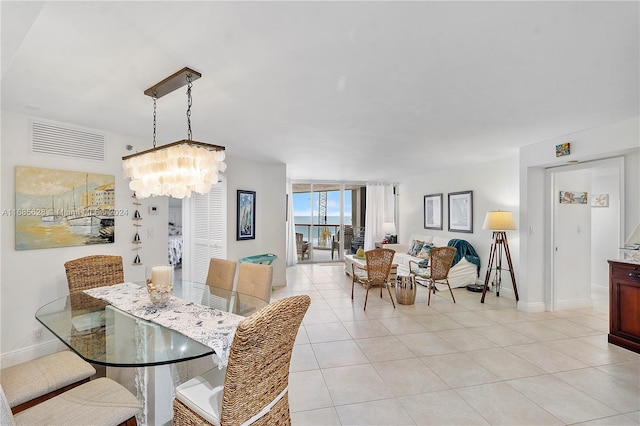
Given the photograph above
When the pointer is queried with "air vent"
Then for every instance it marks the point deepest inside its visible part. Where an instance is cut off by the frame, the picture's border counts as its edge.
(62, 141)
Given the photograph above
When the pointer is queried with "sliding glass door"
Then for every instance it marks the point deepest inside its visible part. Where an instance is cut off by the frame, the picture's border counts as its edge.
(326, 215)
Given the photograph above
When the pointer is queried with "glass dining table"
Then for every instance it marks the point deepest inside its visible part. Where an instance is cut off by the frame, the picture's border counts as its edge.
(102, 334)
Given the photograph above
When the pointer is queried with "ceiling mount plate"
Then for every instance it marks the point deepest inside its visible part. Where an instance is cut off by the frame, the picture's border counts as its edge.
(172, 83)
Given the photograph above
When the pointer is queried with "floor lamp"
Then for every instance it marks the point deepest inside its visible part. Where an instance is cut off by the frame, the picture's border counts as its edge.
(499, 222)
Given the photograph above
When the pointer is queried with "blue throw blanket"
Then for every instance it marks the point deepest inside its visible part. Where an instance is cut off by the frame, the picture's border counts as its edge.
(466, 250)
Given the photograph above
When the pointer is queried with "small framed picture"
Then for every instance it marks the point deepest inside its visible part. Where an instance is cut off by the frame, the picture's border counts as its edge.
(433, 211)
(246, 215)
(600, 200)
(573, 197)
(461, 211)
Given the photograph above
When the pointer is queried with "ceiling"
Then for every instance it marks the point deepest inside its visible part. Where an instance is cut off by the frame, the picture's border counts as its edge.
(339, 91)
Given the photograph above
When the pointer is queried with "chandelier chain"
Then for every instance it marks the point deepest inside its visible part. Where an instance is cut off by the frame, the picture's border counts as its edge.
(189, 103)
(154, 120)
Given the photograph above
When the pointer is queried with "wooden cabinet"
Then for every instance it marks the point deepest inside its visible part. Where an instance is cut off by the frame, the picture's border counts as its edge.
(624, 304)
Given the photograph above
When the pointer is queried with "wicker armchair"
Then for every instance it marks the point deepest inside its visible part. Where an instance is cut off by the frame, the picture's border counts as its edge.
(221, 273)
(440, 260)
(254, 386)
(375, 272)
(255, 279)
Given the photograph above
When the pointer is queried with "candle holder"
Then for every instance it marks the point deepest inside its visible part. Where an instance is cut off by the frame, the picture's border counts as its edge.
(160, 284)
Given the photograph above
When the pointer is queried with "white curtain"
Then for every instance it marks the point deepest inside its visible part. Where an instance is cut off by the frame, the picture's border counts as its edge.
(379, 209)
(292, 250)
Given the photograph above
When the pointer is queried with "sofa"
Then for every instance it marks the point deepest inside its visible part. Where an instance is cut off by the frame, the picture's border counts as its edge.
(462, 273)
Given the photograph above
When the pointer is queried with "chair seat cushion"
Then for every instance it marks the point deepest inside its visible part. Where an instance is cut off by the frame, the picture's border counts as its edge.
(203, 394)
(422, 272)
(98, 402)
(32, 379)
(361, 275)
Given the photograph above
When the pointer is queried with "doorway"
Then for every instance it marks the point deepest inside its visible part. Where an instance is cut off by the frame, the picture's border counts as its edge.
(587, 216)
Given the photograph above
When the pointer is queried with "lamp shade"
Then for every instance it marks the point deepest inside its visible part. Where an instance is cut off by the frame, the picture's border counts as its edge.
(389, 228)
(499, 221)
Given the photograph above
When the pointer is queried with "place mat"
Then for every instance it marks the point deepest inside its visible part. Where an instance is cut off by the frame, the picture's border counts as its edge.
(209, 326)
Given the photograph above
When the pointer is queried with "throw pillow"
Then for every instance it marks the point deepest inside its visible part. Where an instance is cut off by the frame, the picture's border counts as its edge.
(415, 247)
(424, 251)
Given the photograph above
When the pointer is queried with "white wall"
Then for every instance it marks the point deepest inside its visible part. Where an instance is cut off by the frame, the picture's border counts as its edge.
(605, 222)
(621, 138)
(269, 182)
(494, 186)
(31, 278)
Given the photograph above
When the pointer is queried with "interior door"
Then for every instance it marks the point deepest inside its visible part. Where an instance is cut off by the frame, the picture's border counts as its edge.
(571, 240)
(205, 231)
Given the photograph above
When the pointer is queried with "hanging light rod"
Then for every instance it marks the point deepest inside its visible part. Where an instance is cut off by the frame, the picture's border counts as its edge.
(171, 83)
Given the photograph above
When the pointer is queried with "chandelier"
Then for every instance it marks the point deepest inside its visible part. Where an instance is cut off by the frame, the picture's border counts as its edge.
(176, 169)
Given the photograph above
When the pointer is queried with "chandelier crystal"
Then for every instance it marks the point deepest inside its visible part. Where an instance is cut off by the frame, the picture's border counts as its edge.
(179, 168)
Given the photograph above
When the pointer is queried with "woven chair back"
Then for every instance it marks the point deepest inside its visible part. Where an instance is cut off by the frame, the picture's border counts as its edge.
(82, 274)
(379, 263)
(255, 279)
(221, 273)
(258, 369)
(93, 271)
(440, 261)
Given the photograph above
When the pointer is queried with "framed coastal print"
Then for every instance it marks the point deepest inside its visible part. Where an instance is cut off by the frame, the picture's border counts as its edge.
(461, 211)
(433, 211)
(246, 215)
(62, 208)
(573, 197)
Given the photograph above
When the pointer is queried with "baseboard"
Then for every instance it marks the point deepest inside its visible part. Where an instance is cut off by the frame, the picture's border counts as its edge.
(31, 352)
(600, 289)
(531, 307)
(574, 304)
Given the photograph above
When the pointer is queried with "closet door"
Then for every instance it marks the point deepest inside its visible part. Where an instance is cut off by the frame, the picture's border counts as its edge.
(206, 227)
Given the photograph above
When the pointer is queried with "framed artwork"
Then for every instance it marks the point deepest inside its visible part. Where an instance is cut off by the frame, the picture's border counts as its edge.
(563, 149)
(599, 200)
(61, 208)
(461, 211)
(246, 215)
(573, 197)
(433, 211)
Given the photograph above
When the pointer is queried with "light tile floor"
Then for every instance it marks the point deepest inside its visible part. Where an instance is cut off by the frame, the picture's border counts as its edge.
(456, 364)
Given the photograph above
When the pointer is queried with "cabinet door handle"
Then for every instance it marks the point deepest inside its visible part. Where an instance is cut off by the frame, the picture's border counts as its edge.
(634, 275)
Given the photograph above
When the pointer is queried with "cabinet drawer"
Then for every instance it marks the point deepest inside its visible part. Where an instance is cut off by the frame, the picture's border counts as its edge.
(626, 271)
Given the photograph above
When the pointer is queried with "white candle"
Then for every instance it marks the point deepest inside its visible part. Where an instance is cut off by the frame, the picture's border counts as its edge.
(161, 275)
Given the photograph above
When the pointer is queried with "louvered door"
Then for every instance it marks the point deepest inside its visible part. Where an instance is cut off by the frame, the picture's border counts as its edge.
(207, 230)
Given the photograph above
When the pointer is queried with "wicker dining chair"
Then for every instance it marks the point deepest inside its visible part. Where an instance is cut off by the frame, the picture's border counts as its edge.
(93, 271)
(255, 279)
(440, 260)
(254, 387)
(221, 273)
(83, 274)
(31, 382)
(100, 402)
(374, 273)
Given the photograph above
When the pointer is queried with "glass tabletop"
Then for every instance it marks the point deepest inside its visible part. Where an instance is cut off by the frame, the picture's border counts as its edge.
(103, 334)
